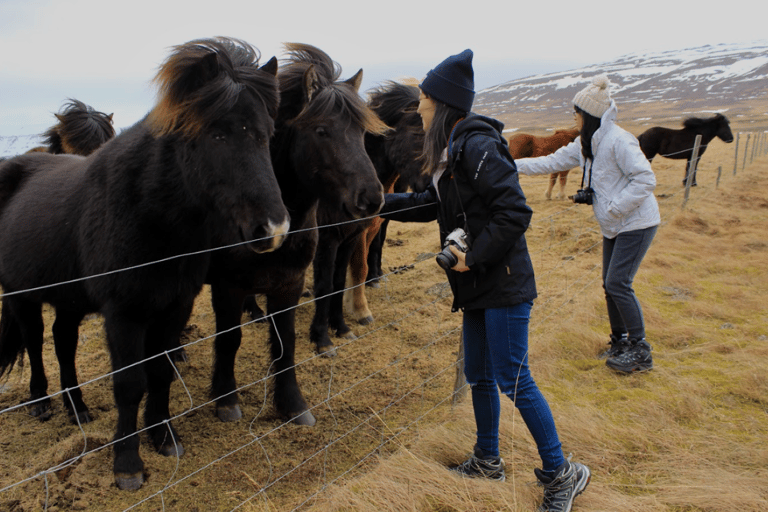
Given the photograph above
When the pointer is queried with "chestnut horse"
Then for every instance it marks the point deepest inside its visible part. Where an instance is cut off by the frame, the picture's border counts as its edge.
(523, 145)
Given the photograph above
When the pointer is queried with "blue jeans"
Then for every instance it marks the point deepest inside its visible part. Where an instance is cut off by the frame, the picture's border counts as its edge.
(621, 259)
(496, 358)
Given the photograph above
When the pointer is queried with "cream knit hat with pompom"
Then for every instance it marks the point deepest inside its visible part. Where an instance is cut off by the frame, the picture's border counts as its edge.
(594, 99)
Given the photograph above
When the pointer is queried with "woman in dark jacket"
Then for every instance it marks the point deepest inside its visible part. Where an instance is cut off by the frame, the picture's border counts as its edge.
(475, 188)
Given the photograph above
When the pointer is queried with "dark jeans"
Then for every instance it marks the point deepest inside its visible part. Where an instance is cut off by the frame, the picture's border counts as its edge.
(496, 357)
(621, 259)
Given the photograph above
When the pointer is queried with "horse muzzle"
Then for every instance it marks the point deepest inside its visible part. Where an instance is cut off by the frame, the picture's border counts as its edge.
(268, 237)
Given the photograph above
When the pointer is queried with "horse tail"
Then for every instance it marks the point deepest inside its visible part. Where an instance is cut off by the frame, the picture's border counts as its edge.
(11, 340)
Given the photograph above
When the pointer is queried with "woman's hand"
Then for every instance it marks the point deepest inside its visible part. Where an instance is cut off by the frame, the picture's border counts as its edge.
(461, 266)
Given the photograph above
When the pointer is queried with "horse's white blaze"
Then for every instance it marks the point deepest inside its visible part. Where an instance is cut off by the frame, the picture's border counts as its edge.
(278, 232)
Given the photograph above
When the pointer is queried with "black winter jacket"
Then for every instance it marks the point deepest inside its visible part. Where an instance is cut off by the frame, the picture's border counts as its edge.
(488, 191)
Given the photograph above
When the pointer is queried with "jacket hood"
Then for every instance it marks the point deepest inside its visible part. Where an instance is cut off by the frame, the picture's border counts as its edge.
(477, 124)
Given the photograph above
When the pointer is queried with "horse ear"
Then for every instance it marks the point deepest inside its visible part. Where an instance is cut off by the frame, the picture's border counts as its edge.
(311, 83)
(110, 117)
(208, 67)
(356, 80)
(59, 117)
(270, 67)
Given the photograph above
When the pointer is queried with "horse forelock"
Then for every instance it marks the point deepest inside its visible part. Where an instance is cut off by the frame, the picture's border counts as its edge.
(191, 96)
(80, 131)
(393, 101)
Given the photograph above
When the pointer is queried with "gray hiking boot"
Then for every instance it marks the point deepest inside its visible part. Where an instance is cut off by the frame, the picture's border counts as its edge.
(617, 346)
(637, 358)
(569, 480)
(481, 466)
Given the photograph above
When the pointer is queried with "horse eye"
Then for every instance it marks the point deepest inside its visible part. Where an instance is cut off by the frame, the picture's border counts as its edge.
(321, 131)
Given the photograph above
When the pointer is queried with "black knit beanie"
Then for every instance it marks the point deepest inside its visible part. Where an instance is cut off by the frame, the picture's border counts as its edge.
(452, 81)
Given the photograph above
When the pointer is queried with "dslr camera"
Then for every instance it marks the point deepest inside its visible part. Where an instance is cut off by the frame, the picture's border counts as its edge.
(459, 239)
(584, 196)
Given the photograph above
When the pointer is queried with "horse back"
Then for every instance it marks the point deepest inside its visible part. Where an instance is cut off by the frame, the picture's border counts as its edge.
(521, 145)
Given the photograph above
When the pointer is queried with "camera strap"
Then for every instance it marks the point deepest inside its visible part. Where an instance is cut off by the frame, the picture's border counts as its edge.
(589, 185)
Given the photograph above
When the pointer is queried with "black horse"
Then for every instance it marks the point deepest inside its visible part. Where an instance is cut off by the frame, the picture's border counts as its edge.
(318, 155)
(344, 245)
(80, 130)
(678, 144)
(196, 170)
(395, 157)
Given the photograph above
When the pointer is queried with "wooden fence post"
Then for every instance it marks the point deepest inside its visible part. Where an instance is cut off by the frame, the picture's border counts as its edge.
(719, 172)
(736, 156)
(691, 168)
(746, 148)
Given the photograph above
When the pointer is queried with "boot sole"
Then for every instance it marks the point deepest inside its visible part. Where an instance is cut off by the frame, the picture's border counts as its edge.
(629, 369)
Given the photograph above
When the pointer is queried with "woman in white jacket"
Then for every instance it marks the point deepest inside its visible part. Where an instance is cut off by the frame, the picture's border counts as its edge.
(620, 184)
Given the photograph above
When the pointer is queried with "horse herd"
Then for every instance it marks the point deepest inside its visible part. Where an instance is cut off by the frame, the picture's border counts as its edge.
(224, 182)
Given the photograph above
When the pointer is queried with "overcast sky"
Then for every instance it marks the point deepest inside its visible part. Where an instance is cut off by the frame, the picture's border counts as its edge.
(105, 53)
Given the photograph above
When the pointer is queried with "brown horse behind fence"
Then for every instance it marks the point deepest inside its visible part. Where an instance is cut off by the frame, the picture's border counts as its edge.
(524, 145)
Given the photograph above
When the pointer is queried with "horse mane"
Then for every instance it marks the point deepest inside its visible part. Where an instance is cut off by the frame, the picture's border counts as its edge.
(80, 131)
(696, 122)
(392, 101)
(203, 79)
(331, 94)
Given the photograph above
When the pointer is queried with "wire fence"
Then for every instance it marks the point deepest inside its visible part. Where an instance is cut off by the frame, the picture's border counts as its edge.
(581, 241)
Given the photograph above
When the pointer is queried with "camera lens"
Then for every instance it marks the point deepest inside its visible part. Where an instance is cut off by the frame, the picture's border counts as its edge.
(446, 259)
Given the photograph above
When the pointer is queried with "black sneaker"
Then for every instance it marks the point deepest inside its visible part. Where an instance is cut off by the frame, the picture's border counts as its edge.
(617, 346)
(570, 480)
(481, 466)
(637, 358)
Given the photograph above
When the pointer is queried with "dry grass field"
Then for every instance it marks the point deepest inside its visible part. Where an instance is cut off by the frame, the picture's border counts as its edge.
(688, 436)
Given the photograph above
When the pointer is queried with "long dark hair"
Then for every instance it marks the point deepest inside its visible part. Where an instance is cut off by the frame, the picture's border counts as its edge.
(588, 129)
(436, 138)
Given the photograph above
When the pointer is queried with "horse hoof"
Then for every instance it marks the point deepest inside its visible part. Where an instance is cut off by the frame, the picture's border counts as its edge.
(373, 284)
(366, 320)
(229, 413)
(171, 450)
(129, 482)
(41, 411)
(327, 351)
(305, 419)
(80, 418)
(349, 335)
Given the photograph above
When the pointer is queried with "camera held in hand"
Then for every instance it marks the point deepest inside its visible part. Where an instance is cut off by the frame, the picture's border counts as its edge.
(459, 239)
(584, 196)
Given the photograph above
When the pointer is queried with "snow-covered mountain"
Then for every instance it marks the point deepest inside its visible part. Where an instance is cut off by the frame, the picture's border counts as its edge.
(720, 77)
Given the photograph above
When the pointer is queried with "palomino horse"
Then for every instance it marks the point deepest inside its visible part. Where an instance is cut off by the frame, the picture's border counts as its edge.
(318, 156)
(524, 146)
(678, 144)
(80, 130)
(152, 201)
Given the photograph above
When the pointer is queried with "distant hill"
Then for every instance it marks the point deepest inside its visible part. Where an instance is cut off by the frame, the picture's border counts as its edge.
(649, 89)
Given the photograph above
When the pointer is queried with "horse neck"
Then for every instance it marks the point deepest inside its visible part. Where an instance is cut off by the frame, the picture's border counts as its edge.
(298, 196)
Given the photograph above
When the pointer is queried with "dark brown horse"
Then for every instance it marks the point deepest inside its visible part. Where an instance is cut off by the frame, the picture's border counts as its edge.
(80, 130)
(524, 145)
(678, 144)
(318, 156)
(127, 232)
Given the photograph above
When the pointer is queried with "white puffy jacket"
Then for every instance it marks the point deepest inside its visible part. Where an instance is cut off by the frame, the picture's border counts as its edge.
(622, 177)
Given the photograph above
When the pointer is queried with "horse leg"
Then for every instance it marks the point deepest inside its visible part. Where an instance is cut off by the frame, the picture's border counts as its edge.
(65, 337)
(336, 311)
(29, 322)
(125, 338)
(289, 402)
(160, 336)
(227, 302)
(324, 265)
(563, 183)
(551, 185)
(355, 301)
(375, 252)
